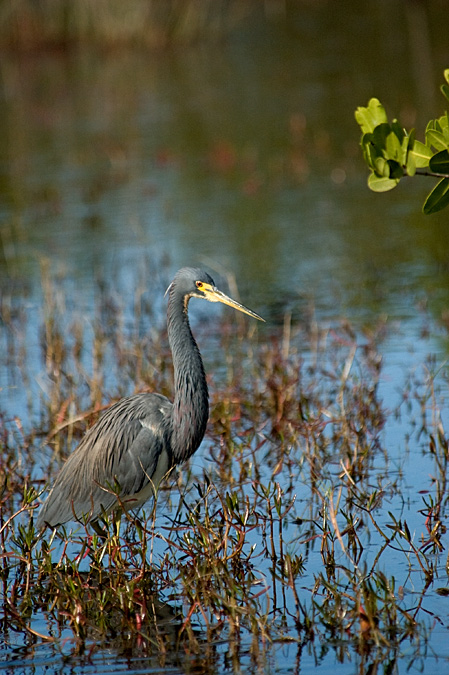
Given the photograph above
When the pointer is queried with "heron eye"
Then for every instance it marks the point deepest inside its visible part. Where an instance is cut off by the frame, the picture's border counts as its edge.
(199, 284)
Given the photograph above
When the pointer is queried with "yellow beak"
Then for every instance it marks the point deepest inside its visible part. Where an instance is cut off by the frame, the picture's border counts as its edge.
(212, 294)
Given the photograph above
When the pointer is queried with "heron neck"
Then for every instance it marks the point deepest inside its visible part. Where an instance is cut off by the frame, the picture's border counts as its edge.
(190, 410)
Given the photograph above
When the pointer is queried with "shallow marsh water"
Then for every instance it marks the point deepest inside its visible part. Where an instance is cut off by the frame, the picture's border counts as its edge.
(243, 156)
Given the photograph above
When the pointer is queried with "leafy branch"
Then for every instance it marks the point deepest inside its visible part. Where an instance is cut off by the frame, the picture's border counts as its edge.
(392, 152)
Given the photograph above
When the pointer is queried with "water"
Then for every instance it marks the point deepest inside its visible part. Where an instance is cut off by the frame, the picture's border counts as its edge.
(242, 155)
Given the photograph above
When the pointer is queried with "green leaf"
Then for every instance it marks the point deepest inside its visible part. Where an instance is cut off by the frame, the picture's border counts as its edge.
(421, 154)
(433, 125)
(411, 139)
(436, 138)
(440, 162)
(398, 130)
(438, 199)
(443, 122)
(381, 167)
(445, 91)
(408, 160)
(366, 139)
(396, 170)
(380, 135)
(369, 118)
(410, 165)
(393, 146)
(446, 75)
(381, 183)
(370, 155)
(370, 151)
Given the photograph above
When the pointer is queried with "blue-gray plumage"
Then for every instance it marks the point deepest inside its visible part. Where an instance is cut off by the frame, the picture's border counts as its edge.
(138, 440)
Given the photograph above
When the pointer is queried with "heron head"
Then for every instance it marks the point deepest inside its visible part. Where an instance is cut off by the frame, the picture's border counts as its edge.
(196, 283)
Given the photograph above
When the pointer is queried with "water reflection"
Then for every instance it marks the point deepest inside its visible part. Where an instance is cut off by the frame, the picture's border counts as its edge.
(243, 153)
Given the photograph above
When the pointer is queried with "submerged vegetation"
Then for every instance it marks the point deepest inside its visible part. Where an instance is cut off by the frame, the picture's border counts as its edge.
(291, 524)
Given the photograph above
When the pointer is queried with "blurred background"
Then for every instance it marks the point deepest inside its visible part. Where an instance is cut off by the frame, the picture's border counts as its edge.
(221, 133)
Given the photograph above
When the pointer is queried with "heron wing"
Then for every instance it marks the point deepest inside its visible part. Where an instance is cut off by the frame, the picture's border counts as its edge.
(118, 455)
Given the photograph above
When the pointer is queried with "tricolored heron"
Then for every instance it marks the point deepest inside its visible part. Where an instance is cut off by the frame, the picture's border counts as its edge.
(123, 457)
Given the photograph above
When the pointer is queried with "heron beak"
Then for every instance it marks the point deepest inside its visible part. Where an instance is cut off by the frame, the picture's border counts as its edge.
(212, 294)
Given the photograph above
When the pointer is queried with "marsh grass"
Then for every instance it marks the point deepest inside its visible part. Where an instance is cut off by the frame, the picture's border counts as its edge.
(283, 527)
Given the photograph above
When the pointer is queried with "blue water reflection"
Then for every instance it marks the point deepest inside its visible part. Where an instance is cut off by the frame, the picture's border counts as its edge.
(245, 154)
